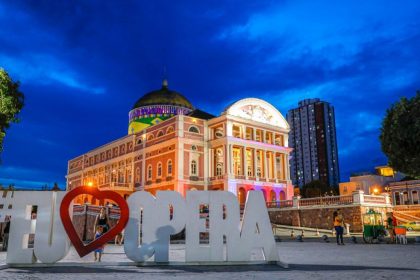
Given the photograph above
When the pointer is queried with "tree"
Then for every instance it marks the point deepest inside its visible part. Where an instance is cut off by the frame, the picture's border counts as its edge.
(56, 187)
(11, 103)
(400, 135)
(315, 188)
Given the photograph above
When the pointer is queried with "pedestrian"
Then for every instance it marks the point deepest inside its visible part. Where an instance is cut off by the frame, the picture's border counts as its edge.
(119, 238)
(102, 220)
(339, 226)
(6, 233)
(391, 226)
(99, 250)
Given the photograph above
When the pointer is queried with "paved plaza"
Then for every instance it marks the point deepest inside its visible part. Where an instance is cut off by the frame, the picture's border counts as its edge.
(306, 260)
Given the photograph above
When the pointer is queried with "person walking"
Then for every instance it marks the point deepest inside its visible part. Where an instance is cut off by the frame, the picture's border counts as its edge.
(339, 226)
(391, 226)
(6, 233)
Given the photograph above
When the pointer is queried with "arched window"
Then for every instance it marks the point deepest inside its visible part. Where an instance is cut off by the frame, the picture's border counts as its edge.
(219, 169)
(139, 141)
(160, 133)
(150, 137)
(159, 169)
(149, 172)
(194, 129)
(169, 167)
(249, 171)
(193, 168)
(170, 130)
(138, 175)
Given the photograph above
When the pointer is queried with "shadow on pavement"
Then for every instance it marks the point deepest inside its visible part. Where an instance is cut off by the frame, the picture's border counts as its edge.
(198, 269)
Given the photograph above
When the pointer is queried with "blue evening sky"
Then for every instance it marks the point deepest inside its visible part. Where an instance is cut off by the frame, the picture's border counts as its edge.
(83, 64)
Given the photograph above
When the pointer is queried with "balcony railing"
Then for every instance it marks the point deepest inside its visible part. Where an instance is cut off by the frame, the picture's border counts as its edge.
(356, 198)
(280, 204)
(327, 200)
(374, 199)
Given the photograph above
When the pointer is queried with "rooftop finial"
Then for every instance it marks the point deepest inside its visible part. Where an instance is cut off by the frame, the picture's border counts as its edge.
(165, 80)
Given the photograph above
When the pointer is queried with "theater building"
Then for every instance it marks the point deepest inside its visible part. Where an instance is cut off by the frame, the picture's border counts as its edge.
(170, 145)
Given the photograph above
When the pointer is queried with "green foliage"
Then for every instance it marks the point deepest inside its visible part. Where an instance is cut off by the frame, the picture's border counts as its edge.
(316, 188)
(11, 103)
(400, 136)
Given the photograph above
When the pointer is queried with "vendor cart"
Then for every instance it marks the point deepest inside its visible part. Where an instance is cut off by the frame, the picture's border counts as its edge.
(373, 226)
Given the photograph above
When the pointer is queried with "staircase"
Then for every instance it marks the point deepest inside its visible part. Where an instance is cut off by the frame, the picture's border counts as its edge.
(407, 213)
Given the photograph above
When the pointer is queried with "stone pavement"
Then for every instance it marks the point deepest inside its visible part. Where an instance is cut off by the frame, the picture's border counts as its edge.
(307, 260)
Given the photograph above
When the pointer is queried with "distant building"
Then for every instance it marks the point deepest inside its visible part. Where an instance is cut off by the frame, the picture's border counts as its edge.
(173, 146)
(405, 192)
(313, 138)
(370, 183)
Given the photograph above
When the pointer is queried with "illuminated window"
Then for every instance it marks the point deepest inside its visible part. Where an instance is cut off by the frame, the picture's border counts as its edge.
(170, 130)
(258, 171)
(193, 168)
(193, 129)
(169, 167)
(149, 172)
(219, 169)
(159, 169)
(249, 171)
(137, 175)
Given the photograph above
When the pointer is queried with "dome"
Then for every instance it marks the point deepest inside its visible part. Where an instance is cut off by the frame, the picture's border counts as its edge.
(157, 106)
(163, 96)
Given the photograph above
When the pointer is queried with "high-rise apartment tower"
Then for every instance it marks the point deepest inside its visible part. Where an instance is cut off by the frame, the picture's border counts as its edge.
(314, 142)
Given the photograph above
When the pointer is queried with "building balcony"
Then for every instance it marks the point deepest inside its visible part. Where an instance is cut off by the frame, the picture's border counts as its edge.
(115, 186)
(218, 177)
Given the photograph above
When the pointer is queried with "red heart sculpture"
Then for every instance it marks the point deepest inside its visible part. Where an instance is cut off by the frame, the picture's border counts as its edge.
(82, 249)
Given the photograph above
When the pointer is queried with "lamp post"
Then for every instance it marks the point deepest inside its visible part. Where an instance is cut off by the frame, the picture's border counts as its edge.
(89, 184)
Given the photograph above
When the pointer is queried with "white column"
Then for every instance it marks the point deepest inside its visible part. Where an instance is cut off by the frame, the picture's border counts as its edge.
(255, 162)
(230, 159)
(229, 128)
(179, 186)
(271, 166)
(143, 169)
(286, 174)
(211, 168)
(227, 158)
(206, 165)
(285, 140)
(245, 165)
(265, 162)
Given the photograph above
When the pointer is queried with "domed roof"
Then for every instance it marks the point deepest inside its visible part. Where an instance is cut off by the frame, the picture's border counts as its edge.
(163, 96)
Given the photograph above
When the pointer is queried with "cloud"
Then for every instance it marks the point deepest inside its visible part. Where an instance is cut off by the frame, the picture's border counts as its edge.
(23, 177)
(359, 56)
(44, 69)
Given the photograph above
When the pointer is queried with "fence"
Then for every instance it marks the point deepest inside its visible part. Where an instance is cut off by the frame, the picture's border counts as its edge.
(356, 198)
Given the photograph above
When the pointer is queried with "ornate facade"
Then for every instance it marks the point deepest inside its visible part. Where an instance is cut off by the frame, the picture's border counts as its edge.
(245, 148)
